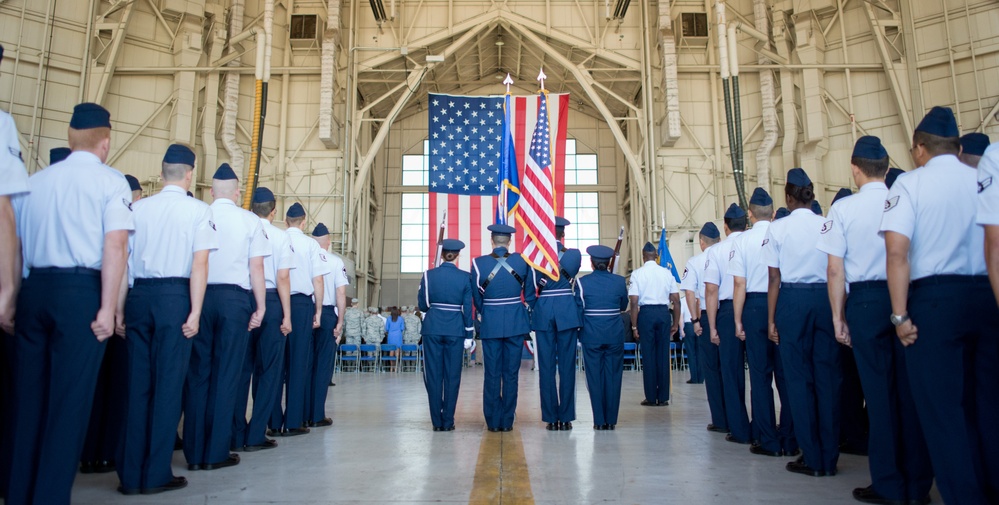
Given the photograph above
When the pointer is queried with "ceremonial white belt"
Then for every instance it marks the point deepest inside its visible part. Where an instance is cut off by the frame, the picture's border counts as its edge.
(601, 312)
(446, 306)
(555, 292)
(502, 301)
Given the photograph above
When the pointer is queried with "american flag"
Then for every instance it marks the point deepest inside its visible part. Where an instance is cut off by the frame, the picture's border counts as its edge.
(470, 211)
(536, 212)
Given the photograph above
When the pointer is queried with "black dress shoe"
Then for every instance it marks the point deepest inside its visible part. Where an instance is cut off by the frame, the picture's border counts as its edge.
(664, 403)
(646, 403)
(104, 467)
(611, 426)
(598, 427)
(552, 426)
(88, 467)
(194, 467)
(274, 433)
(232, 460)
(799, 466)
(438, 428)
(268, 444)
(716, 429)
(791, 454)
(565, 426)
(294, 432)
(494, 430)
(869, 495)
(128, 492)
(605, 427)
(448, 428)
(324, 423)
(332, 384)
(174, 484)
(730, 438)
(508, 428)
(758, 449)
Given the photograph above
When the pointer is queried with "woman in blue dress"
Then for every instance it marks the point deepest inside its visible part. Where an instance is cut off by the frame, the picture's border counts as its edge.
(395, 326)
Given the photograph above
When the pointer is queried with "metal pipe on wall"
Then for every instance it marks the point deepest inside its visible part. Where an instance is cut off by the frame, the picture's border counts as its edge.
(740, 169)
(768, 109)
(281, 177)
(42, 67)
(723, 48)
(263, 76)
(231, 95)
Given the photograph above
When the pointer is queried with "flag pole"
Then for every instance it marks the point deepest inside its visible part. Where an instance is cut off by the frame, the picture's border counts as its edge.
(503, 196)
(440, 240)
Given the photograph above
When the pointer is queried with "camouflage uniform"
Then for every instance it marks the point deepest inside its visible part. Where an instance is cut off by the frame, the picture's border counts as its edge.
(412, 333)
(374, 329)
(353, 325)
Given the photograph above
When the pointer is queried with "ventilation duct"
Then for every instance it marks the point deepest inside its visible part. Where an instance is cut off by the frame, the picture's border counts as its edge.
(769, 103)
(329, 129)
(621, 8)
(231, 97)
(670, 127)
(378, 9)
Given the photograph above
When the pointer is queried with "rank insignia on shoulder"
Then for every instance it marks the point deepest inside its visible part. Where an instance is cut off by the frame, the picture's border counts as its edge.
(891, 203)
(210, 223)
(765, 242)
(826, 226)
(684, 276)
(16, 153)
(127, 203)
(984, 184)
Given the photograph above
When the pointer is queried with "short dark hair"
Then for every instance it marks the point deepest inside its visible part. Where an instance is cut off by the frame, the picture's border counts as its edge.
(736, 223)
(709, 240)
(761, 211)
(870, 167)
(801, 194)
(935, 144)
(262, 209)
(601, 264)
(295, 221)
(449, 255)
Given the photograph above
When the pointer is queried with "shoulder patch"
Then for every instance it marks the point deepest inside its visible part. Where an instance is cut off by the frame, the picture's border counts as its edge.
(265, 235)
(826, 226)
(322, 256)
(706, 264)
(891, 203)
(291, 247)
(684, 276)
(127, 203)
(984, 184)
(15, 153)
(731, 254)
(765, 242)
(212, 224)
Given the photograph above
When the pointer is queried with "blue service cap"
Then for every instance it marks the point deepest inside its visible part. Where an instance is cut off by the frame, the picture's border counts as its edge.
(842, 193)
(761, 197)
(974, 143)
(781, 212)
(179, 154)
(600, 252)
(452, 244)
(798, 177)
(320, 230)
(869, 147)
(939, 121)
(296, 210)
(89, 115)
(892, 174)
(710, 230)
(501, 229)
(561, 221)
(225, 173)
(649, 248)
(57, 154)
(133, 183)
(262, 195)
(734, 212)
(816, 208)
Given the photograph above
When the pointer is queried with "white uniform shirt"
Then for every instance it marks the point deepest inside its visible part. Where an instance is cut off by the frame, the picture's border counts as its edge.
(282, 253)
(988, 187)
(169, 228)
(748, 262)
(240, 237)
(310, 261)
(336, 277)
(684, 311)
(652, 284)
(790, 246)
(716, 267)
(693, 276)
(851, 232)
(72, 205)
(13, 175)
(942, 198)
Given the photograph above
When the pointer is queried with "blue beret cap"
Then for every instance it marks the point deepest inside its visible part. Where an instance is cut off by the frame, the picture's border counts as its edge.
(649, 248)
(501, 229)
(869, 147)
(320, 230)
(939, 121)
(816, 208)
(89, 115)
(974, 143)
(734, 212)
(180, 154)
(133, 183)
(710, 230)
(798, 177)
(842, 193)
(892, 174)
(781, 212)
(262, 195)
(451, 244)
(58, 154)
(225, 173)
(296, 210)
(561, 221)
(600, 252)
(761, 197)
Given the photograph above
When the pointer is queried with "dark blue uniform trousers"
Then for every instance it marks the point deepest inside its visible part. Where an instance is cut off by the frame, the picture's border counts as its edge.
(899, 462)
(854, 427)
(263, 365)
(557, 350)
(811, 354)
(604, 370)
(6, 407)
(56, 358)
(323, 350)
(732, 352)
(953, 371)
(442, 376)
(764, 368)
(108, 411)
(297, 356)
(216, 363)
(711, 368)
(502, 371)
(158, 357)
(691, 348)
(653, 338)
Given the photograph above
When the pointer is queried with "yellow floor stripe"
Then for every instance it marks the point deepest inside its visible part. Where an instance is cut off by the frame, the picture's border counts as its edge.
(501, 475)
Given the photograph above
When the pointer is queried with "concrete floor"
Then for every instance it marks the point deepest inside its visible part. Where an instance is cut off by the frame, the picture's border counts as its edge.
(381, 450)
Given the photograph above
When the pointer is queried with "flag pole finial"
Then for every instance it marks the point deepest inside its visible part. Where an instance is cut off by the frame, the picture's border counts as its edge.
(508, 81)
(541, 78)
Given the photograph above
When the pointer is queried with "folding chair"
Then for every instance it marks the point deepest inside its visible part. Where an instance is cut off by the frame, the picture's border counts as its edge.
(631, 355)
(410, 359)
(579, 356)
(346, 355)
(673, 363)
(369, 358)
(386, 359)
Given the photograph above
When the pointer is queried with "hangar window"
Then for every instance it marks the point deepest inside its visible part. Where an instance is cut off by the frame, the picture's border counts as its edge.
(415, 239)
(583, 211)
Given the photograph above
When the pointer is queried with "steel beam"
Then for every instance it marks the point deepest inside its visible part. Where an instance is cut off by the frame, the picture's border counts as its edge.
(102, 74)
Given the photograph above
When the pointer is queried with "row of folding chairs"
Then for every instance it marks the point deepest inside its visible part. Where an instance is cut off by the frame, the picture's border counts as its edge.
(633, 356)
(378, 358)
